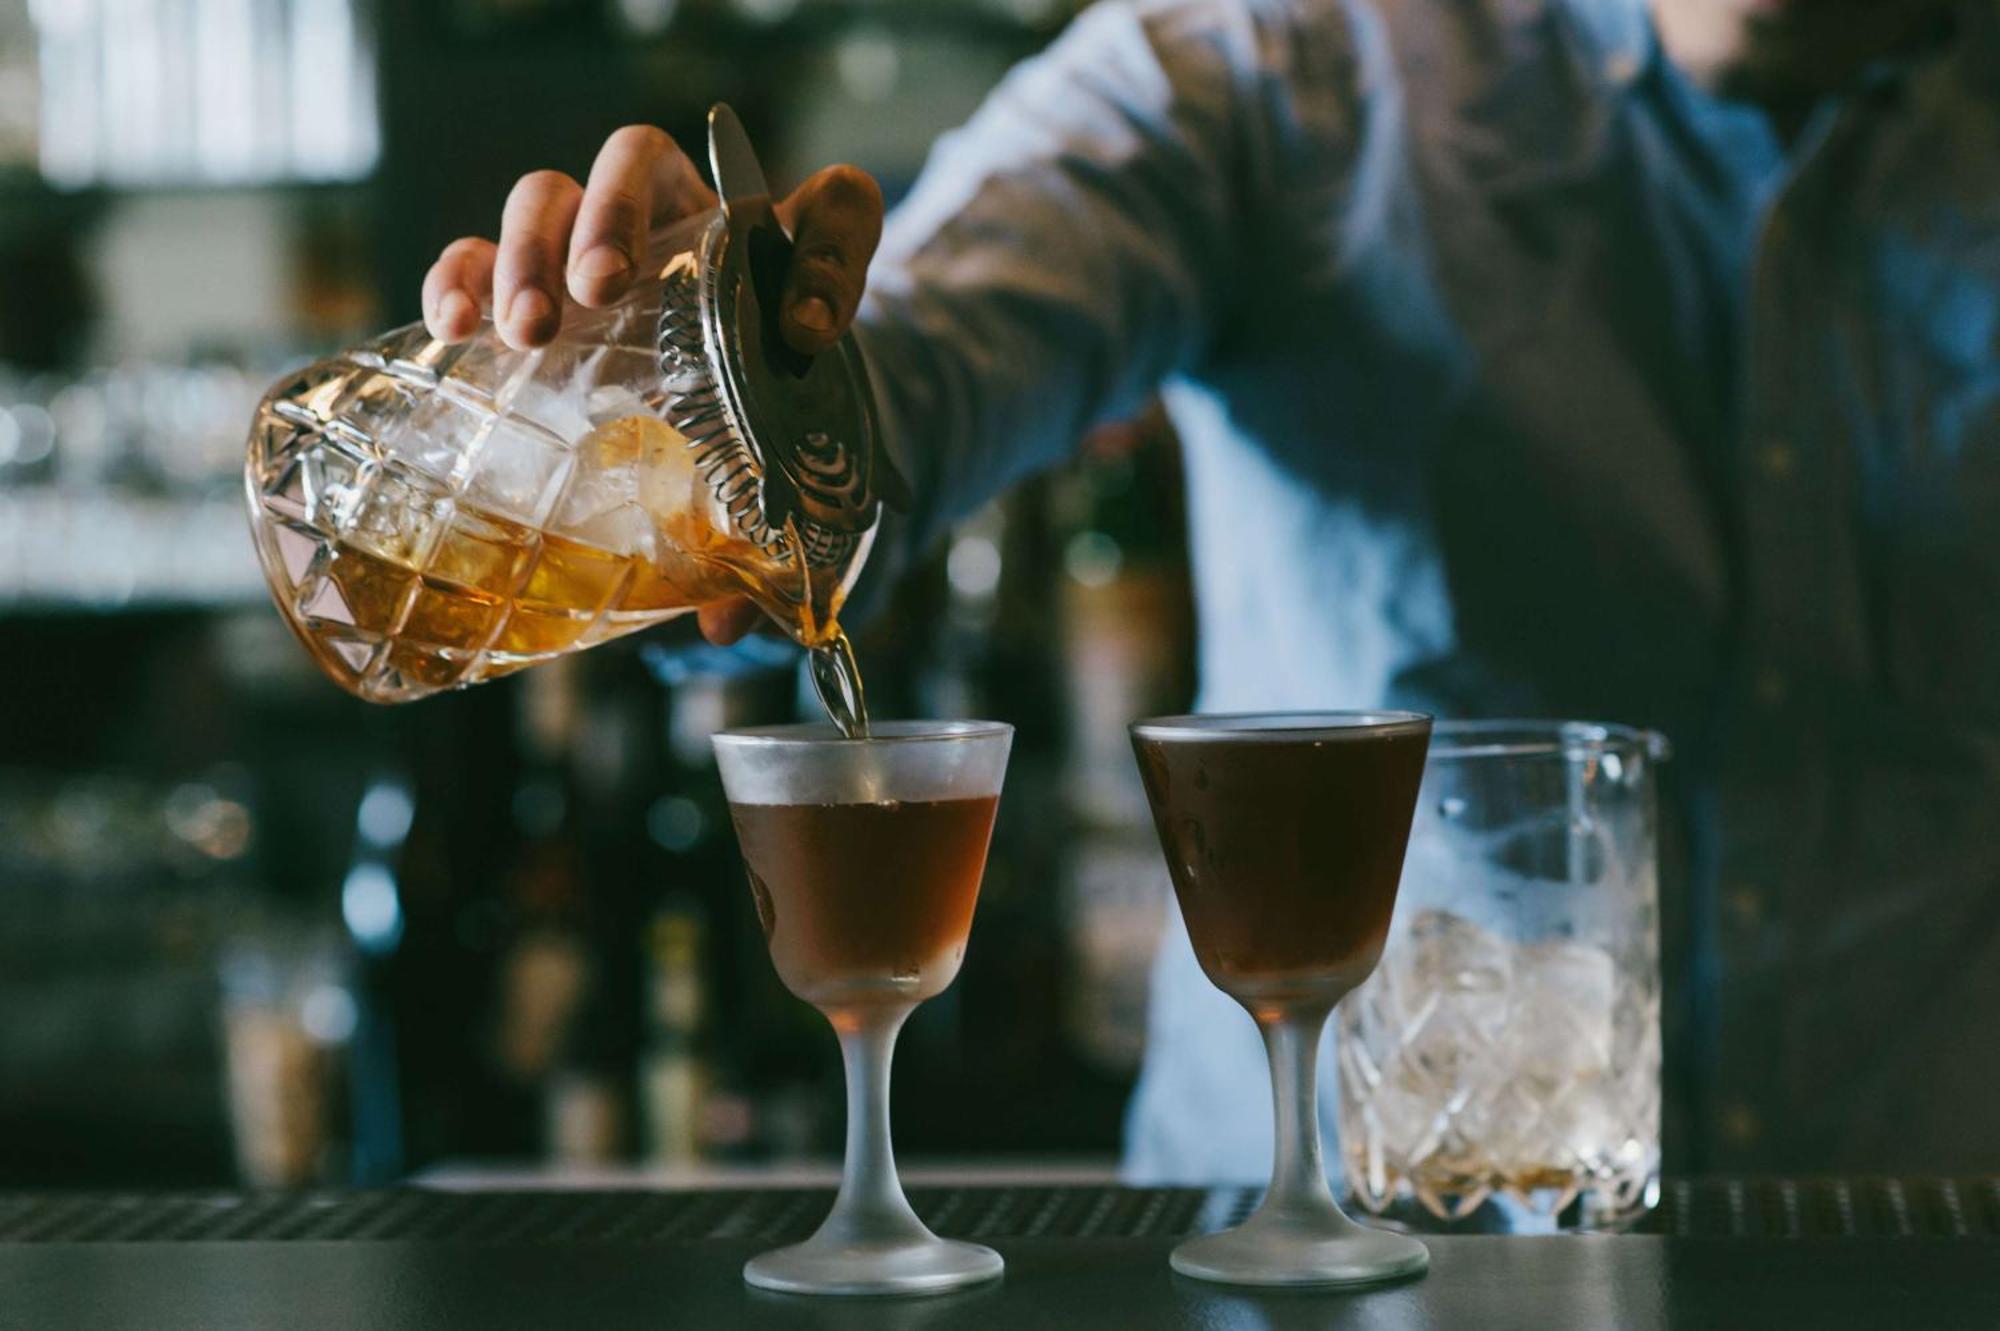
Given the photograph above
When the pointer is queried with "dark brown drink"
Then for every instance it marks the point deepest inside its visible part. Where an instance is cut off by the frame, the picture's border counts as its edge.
(866, 903)
(1285, 850)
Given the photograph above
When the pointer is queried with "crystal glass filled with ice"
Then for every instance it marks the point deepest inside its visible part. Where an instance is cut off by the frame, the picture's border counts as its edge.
(1501, 1068)
(430, 515)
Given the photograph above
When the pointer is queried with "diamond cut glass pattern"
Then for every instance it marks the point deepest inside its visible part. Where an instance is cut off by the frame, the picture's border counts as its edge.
(1502, 1065)
(429, 516)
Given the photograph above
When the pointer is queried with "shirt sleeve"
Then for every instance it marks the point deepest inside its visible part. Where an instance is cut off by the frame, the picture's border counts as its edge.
(1085, 237)
(1062, 254)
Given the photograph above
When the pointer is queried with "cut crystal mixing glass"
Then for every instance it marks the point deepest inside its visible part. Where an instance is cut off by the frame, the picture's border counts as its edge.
(1500, 1071)
(433, 515)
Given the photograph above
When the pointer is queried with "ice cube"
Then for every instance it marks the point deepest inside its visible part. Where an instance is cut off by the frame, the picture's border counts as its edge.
(1577, 1127)
(1443, 996)
(329, 485)
(1486, 1059)
(600, 505)
(1448, 954)
(1563, 992)
(483, 553)
(374, 405)
(518, 471)
(610, 403)
(669, 483)
(399, 515)
(620, 530)
(432, 436)
(556, 395)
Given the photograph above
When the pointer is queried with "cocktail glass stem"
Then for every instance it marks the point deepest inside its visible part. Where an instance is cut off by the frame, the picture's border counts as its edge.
(1298, 1191)
(871, 1207)
(871, 1242)
(1298, 1235)
(865, 856)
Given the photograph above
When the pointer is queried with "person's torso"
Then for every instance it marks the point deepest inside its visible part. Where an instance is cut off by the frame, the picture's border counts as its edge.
(1529, 404)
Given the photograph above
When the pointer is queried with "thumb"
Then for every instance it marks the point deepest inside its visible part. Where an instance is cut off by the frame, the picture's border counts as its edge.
(836, 221)
(729, 620)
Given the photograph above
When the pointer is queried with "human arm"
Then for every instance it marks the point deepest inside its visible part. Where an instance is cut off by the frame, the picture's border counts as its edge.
(1065, 252)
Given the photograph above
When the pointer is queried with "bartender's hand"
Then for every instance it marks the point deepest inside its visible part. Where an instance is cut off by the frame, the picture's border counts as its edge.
(557, 235)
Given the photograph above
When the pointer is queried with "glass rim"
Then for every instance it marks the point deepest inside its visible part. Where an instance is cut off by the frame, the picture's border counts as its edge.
(1278, 726)
(1522, 737)
(880, 733)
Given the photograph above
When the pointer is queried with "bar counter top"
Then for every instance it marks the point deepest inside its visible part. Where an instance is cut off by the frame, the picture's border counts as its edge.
(1720, 1253)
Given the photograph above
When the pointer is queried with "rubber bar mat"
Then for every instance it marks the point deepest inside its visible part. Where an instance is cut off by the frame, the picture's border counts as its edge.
(1698, 1208)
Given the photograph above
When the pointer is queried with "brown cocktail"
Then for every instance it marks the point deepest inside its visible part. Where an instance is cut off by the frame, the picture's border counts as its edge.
(1285, 857)
(865, 855)
(1284, 835)
(866, 903)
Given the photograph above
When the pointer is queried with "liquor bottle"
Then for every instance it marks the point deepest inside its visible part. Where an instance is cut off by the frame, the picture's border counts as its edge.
(547, 971)
(674, 1074)
(1126, 612)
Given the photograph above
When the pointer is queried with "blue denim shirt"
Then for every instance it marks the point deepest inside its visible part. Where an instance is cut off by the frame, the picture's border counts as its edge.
(1516, 376)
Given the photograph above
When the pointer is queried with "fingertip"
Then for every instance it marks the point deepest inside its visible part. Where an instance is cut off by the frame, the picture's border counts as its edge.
(745, 617)
(457, 316)
(524, 337)
(726, 623)
(532, 319)
(810, 325)
(600, 276)
(814, 315)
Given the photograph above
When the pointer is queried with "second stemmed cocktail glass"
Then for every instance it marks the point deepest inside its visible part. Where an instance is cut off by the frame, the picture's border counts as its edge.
(865, 857)
(1284, 835)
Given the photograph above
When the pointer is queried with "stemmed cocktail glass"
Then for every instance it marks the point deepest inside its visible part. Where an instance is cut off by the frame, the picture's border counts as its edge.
(1284, 834)
(865, 857)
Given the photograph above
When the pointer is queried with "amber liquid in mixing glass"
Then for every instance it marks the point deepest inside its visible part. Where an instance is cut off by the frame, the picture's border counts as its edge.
(420, 593)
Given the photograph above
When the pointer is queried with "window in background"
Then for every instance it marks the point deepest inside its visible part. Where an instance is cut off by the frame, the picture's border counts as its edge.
(175, 92)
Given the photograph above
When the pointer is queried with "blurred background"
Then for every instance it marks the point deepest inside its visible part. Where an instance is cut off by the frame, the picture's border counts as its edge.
(253, 930)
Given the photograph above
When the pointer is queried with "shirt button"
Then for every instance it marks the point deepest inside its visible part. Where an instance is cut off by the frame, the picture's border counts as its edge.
(1772, 687)
(1746, 906)
(1739, 1125)
(1778, 459)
